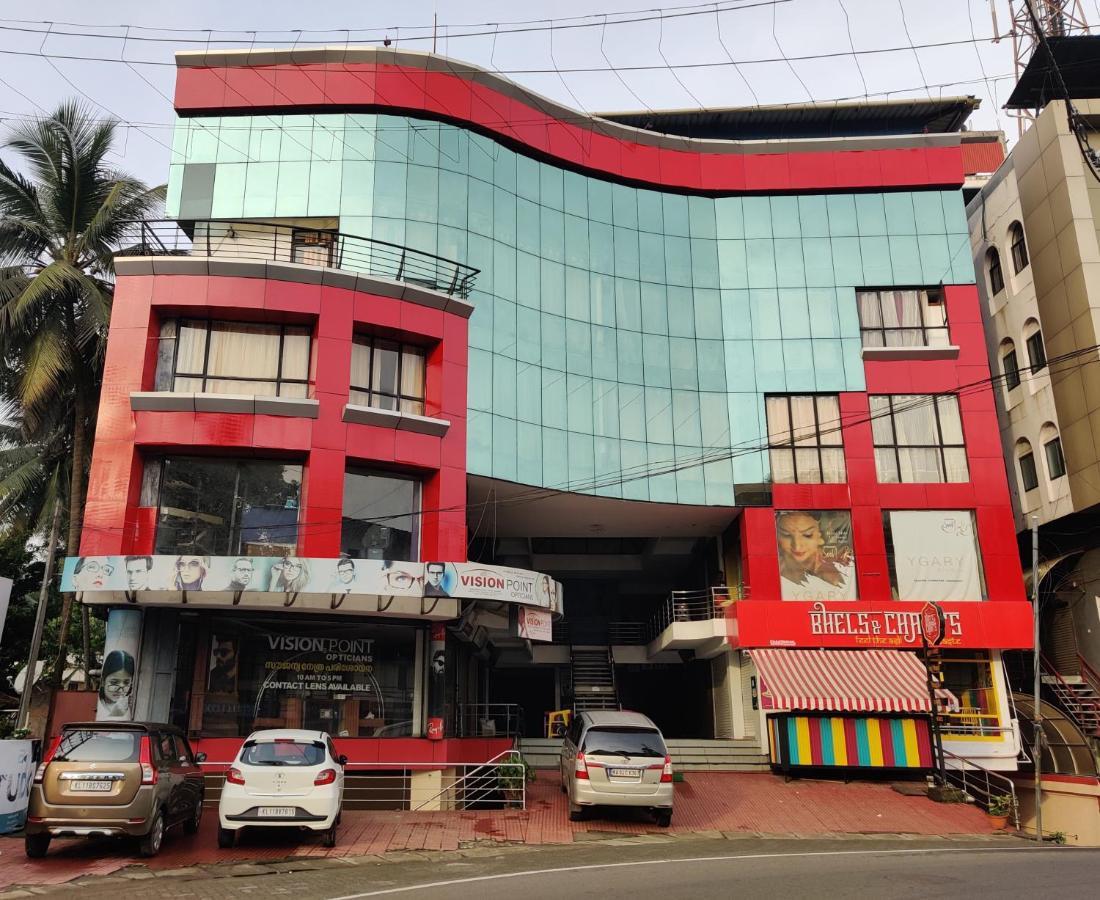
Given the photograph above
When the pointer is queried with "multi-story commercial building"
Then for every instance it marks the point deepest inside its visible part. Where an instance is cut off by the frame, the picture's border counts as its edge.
(425, 359)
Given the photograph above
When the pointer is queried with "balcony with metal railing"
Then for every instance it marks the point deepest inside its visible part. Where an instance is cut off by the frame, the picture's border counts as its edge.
(296, 245)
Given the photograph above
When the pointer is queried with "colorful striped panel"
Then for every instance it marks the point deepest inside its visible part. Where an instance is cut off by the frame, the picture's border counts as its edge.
(842, 741)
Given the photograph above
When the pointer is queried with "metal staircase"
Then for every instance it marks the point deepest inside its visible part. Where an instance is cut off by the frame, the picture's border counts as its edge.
(593, 676)
(1078, 695)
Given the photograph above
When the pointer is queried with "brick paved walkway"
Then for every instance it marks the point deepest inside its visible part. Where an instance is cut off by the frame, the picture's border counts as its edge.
(704, 802)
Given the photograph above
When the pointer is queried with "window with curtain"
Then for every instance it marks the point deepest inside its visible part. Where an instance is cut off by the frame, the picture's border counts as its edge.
(903, 318)
(996, 275)
(211, 357)
(1018, 247)
(387, 375)
(804, 439)
(918, 438)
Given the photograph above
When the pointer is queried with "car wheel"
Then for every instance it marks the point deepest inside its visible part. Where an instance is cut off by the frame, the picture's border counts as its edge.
(329, 839)
(577, 813)
(226, 838)
(150, 844)
(663, 817)
(36, 845)
(191, 826)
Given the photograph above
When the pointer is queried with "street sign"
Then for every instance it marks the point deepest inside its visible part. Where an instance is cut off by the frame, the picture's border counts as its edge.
(932, 623)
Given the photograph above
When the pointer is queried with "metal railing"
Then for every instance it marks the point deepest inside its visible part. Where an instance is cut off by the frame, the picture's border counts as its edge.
(489, 720)
(981, 784)
(292, 244)
(500, 782)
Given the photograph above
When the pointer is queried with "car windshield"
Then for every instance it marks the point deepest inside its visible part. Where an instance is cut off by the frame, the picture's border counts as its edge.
(98, 746)
(624, 742)
(283, 753)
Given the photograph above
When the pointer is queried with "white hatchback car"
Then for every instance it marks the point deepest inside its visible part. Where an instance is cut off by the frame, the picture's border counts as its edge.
(283, 778)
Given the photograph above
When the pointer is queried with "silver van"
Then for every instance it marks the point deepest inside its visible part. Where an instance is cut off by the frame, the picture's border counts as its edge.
(612, 758)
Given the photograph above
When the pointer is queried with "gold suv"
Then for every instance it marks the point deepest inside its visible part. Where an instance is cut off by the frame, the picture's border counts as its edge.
(134, 779)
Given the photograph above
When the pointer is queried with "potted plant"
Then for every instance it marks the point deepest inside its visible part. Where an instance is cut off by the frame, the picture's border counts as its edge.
(511, 779)
(999, 809)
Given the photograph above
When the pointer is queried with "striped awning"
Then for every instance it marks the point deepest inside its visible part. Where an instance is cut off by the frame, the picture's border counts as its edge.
(843, 680)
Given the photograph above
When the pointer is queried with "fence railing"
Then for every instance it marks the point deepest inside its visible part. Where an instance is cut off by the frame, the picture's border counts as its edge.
(489, 720)
(498, 782)
(982, 784)
(292, 244)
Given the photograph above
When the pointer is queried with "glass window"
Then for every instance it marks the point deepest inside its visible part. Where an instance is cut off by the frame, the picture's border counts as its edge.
(222, 507)
(967, 694)
(81, 745)
(312, 248)
(211, 357)
(381, 518)
(1056, 462)
(996, 276)
(1029, 476)
(387, 375)
(283, 753)
(903, 318)
(918, 438)
(1018, 247)
(1010, 365)
(804, 439)
(1036, 352)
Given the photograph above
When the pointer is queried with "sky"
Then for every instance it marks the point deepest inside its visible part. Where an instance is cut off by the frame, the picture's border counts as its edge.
(687, 55)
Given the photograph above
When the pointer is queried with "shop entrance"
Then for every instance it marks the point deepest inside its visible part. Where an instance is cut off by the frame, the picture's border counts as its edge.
(676, 697)
(532, 688)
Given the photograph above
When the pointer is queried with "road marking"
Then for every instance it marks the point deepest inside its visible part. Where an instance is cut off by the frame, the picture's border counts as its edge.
(692, 859)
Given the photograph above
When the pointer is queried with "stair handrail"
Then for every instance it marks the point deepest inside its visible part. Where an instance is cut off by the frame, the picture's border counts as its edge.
(1088, 673)
(972, 788)
(614, 681)
(483, 780)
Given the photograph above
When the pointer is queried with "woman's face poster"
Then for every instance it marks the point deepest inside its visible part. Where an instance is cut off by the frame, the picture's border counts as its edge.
(816, 557)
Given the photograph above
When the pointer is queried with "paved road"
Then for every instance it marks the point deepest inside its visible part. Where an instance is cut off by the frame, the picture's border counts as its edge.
(666, 869)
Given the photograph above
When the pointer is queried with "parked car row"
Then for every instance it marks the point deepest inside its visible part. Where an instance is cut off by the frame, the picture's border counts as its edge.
(139, 779)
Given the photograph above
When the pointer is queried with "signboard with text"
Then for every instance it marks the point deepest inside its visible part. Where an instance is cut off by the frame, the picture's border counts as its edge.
(535, 624)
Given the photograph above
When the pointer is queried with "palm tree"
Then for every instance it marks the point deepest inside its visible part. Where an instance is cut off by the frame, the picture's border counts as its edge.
(63, 211)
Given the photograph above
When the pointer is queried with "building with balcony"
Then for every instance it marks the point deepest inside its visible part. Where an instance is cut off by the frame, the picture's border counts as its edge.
(435, 398)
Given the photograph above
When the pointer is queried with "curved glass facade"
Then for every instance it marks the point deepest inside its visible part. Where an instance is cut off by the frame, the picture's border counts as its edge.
(620, 334)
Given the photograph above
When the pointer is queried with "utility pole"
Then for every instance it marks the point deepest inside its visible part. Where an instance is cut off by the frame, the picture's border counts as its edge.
(1037, 743)
(39, 618)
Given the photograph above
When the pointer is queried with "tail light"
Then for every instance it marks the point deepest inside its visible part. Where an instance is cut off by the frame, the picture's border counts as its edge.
(149, 773)
(325, 776)
(666, 772)
(580, 770)
(40, 772)
(234, 776)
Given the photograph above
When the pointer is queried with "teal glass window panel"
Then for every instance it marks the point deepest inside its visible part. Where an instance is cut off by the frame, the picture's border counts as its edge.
(758, 217)
(829, 371)
(655, 358)
(528, 226)
(392, 139)
(740, 365)
(553, 287)
(553, 342)
(632, 412)
(962, 265)
(818, 255)
(658, 415)
(870, 215)
(678, 260)
(504, 386)
(391, 230)
(453, 200)
(480, 375)
(747, 427)
(607, 467)
(578, 403)
(356, 191)
(504, 448)
(905, 259)
(701, 217)
(635, 462)
(683, 363)
(824, 315)
(504, 170)
(528, 454)
(181, 140)
(626, 252)
(651, 212)
(480, 207)
(847, 261)
(555, 458)
(761, 263)
(605, 408)
(601, 247)
(528, 179)
(504, 216)
(581, 462)
(662, 458)
(928, 212)
(624, 206)
(578, 347)
(233, 141)
(326, 143)
(729, 218)
(451, 243)
(764, 306)
(551, 187)
(813, 215)
(576, 293)
(576, 195)
(421, 236)
(842, 215)
(602, 299)
(704, 262)
(676, 216)
(504, 328)
(900, 217)
(689, 476)
(954, 212)
(733, 271)
(651, 262)
(389, 187)
(528, 392)
(749, 469)
(363, 226)
(552, 234)
(848, 312)
(505, 263)
(528, 338)
(262, 188)
(424, 144)
(553, 399)
(576, 241)
(877, 271)
(771, 377)
(714, 420)
(686, 426)
(708, 313)
(794, 314)
(605, 363)
(628, 307)
(204, 134)
(454, 149)
(718, 483)
(790, 268)
(935, 258)
(654, 309)
(599, 201)
(479, 443)
(297, 141)
(785, 217)
(629, 345)
(229, 182)
(736, 315)
(681, 312)
(853, 364)
(175, 190)
(483, 152)
(712, 365)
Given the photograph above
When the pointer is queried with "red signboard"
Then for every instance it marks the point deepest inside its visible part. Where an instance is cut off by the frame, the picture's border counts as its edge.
(980, 625)
(933, 623)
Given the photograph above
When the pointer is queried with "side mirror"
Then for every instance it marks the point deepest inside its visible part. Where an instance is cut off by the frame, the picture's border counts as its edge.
(343, 760)
(200, 757)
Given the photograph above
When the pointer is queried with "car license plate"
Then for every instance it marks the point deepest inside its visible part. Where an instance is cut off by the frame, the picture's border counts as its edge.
(625, 773)
(91, 786)
(277, 812)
